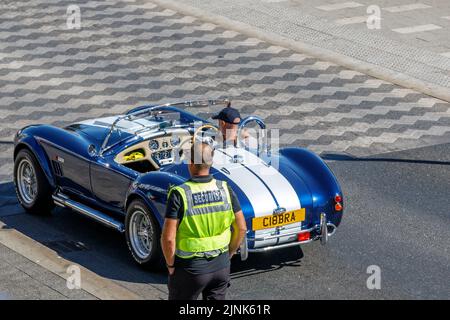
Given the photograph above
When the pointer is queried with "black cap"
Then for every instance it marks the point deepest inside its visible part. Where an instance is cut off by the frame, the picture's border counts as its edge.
(228, 115)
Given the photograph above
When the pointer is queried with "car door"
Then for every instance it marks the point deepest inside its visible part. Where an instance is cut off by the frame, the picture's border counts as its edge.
(70, 165)
(110, 182)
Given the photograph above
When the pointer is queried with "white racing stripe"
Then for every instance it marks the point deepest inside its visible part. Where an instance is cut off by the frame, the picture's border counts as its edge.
(256, 191)
(277, 183)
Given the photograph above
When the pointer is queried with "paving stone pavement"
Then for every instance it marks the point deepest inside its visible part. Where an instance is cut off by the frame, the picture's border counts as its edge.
(23, 279)
(129, 53)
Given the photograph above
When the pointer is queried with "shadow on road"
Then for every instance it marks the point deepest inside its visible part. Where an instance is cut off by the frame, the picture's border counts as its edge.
(104, 251)
(266, 262)
(344, 157)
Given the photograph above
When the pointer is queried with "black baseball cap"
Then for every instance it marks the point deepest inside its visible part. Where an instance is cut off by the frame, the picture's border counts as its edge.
(228, 115)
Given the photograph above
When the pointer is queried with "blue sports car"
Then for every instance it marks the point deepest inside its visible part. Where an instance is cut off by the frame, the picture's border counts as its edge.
(118, 170)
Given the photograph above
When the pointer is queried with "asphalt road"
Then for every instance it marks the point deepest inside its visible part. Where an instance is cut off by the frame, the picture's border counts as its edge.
(396, 218)
(131, 53)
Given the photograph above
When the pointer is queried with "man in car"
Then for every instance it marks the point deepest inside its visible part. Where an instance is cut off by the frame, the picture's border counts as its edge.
(197, 239)
(229, 119)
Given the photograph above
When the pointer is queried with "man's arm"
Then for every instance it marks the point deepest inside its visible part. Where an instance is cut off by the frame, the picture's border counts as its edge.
(238, 232)
(168, 238)
(174, 214)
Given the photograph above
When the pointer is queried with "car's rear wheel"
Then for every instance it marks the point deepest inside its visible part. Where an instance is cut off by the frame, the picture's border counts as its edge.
(143, 235)
(32, 188)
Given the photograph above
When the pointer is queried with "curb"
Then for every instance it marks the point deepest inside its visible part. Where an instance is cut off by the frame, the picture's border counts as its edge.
(370, 69)
(102, 288)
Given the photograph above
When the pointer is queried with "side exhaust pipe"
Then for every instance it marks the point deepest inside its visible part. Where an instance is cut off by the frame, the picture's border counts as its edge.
(65, 202)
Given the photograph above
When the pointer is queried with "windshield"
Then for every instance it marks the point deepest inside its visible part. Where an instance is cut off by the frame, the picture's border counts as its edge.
(124, 127)
(142, 120)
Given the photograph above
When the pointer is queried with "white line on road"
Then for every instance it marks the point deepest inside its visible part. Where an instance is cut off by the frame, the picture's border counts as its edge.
(407, 7)
(445, 54)
(447, 17)
(339, 6)
(421, 28)
(352, 20)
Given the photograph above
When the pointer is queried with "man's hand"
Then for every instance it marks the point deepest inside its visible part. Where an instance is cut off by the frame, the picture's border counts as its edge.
(168, 237)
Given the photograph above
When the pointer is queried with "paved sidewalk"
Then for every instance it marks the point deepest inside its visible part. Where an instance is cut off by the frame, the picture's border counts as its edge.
(360, 48)
(21, 278)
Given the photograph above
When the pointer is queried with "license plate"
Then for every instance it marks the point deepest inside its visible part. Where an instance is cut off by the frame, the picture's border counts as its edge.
(278, 220)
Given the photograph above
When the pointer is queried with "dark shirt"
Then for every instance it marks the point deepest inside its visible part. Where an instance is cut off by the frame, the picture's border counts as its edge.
(197, 265)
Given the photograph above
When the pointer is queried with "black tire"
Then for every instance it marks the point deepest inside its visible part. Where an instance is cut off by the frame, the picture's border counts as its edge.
(154, 261)
(42, 203)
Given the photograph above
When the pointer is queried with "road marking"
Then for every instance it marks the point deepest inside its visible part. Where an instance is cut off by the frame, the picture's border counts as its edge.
(339, 6)
(421, 28)
(445, 54)
(447, 17)
(352, 20)
(92, 283)
(273, 1)
(407, 7)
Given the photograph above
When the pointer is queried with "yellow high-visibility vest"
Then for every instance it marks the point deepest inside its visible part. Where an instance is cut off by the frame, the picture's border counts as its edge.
(204, 230)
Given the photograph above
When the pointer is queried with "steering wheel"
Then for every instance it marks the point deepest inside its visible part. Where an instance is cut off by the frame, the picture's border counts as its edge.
(194, 136)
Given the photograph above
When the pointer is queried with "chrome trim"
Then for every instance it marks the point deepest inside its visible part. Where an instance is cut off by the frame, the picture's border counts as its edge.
(257, 119)
(242, 125)
(141, 234)
(280, 246)
(26, 181)
(323, 229)
(65, 202)
(281, 235)
(320, 228)
(279, 210)
(243, 249)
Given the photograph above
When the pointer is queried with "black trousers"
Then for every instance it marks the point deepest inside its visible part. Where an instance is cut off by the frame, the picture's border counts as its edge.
(184, 285)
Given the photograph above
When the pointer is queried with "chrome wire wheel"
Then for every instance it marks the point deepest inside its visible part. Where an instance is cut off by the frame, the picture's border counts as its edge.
(27, 182)
(141, 234)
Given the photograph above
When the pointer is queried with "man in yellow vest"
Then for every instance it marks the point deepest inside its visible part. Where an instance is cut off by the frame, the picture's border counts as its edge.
(203, 228)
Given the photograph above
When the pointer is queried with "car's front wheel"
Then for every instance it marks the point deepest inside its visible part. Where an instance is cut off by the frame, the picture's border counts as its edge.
(143, 235)
(32, 188)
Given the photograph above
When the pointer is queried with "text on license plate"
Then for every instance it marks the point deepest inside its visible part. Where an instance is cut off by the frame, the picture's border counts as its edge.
(278, 220)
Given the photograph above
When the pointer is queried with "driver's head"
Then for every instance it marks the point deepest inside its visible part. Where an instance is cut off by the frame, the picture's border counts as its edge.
(229, 119)
(200, 159)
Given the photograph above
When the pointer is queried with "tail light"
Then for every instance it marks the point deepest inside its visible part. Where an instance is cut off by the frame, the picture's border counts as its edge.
(304, 236)
(338, 203)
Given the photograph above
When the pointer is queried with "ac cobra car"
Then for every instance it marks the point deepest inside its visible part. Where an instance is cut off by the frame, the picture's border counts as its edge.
(118, 170)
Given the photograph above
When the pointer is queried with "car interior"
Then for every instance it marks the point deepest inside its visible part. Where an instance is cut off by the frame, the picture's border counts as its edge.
(152, 154)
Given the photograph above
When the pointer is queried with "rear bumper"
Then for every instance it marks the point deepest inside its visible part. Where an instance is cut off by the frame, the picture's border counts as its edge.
(320, 231)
